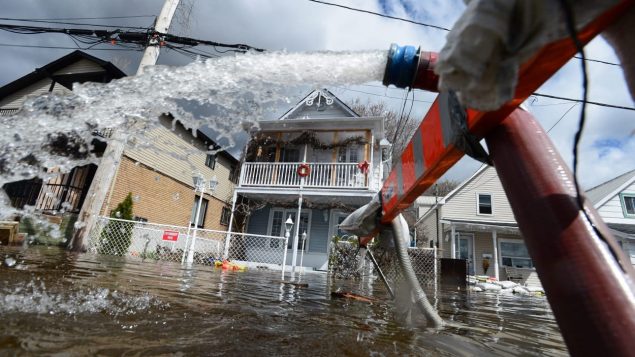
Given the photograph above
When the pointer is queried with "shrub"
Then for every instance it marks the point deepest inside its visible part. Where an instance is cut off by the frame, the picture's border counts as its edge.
(117, 235)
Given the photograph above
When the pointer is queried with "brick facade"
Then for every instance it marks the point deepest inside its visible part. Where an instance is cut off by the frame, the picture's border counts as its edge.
(158, 197)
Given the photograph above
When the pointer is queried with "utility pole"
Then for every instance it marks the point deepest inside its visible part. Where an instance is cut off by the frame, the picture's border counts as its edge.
(109, 166)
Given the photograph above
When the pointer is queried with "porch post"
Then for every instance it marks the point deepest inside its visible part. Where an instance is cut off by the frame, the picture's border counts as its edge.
(295, 235)
(452, 244)
(495, 255)
(229, 228)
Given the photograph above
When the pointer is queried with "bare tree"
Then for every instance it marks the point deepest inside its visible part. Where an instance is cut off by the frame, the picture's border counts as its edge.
(399, 127)
(441, 188)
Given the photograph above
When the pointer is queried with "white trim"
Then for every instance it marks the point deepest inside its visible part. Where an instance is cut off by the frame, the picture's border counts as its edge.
(470, 235)
(508, 240)
(615, 192)
(491, 199)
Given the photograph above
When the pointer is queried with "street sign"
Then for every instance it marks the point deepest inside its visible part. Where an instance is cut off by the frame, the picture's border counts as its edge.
(171, 235)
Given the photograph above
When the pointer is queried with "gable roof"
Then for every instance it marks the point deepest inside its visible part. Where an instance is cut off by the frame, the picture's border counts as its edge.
(317, 97)
(465, 182)
(601, 193)
(47, 71)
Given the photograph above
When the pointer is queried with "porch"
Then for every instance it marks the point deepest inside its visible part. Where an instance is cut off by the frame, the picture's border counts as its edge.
(317, 175)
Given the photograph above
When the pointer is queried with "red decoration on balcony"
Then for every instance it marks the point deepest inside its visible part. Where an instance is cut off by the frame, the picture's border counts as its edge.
(363, 166)
(303, 170)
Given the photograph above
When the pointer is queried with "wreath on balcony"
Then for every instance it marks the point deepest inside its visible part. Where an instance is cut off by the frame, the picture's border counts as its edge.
(303, 170)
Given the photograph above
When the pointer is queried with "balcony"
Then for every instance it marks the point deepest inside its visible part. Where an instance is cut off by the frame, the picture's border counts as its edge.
(322, 175)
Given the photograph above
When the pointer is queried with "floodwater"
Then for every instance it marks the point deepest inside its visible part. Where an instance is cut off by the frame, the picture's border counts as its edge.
(53, 302)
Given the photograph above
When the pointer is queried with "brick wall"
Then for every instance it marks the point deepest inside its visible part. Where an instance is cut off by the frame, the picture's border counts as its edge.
(159, 198)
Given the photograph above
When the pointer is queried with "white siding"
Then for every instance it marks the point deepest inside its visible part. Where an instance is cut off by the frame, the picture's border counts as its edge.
(82, 66)
(15, 100)
(612, 211)
(166, 156)
(462, 205)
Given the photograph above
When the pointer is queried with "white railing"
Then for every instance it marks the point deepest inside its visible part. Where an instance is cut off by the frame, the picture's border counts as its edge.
(321, 175)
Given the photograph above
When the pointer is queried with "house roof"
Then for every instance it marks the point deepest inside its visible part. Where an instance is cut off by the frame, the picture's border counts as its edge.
(317, 95)
(48, 70)
(465, 183)
(599, 194)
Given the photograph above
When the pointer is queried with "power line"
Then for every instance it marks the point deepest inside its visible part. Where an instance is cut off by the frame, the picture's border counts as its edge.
(89, 36)
(429, 25)
(381, 95)
(69, 48)
(84, 18)
(584, 101)
(74, 23)
(381, 15)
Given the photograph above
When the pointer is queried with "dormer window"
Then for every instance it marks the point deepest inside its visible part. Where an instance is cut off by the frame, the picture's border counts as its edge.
(628, 204)
(484, 204)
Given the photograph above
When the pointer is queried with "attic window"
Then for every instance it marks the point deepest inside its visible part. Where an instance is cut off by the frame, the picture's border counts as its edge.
(210, 161)
(628, 204)
(484, 203)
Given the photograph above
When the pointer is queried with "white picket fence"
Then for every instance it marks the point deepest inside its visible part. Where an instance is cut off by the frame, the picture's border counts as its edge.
(112, 236)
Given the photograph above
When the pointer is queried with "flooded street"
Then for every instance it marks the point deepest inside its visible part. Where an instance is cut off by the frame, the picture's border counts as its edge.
(55, 302)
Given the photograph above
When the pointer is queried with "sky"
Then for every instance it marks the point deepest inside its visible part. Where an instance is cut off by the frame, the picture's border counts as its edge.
(608, 145)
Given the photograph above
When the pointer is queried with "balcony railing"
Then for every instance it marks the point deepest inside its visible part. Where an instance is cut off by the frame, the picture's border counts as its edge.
(322, 175)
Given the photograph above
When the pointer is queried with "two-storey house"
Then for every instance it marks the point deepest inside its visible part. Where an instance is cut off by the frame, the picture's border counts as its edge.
(315, 164)
(158, 174)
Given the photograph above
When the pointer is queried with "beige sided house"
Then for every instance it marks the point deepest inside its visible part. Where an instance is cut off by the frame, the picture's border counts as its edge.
(475, 222)
(615, 202)
(159, 180)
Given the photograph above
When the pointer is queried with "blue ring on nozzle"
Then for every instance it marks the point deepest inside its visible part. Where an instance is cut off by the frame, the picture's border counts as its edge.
(401, 66)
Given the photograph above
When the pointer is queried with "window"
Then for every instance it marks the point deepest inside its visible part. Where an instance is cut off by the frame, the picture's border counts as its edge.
(225, 213)
(277, 228)
(289, 155)
(201, 218)
(234, 174)
(348, 154)
(210, 161)
(484, 203)
(628, 204)
(514, 254)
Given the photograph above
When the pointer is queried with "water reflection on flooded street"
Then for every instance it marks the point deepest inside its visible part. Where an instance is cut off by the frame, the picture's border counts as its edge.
(52, 301)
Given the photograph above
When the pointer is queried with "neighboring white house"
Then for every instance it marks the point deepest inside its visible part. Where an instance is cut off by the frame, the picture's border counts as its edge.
(615, 202)
(317, 162)
(475, 222)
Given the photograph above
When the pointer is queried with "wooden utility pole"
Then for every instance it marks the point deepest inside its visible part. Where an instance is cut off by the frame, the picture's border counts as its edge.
(106, 172)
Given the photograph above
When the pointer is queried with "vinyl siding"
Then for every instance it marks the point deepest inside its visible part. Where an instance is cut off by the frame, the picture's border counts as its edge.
(166, 156)
(15, 100)
(81, 66)
(462, 205)
(318, 242)
(259, 221)
(612, 211)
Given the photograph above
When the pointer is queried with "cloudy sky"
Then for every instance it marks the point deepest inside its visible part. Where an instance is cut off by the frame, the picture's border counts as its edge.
(608, 145)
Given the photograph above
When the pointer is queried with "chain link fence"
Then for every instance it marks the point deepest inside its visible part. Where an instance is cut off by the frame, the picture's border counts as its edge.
(344, 262)
(112, 236)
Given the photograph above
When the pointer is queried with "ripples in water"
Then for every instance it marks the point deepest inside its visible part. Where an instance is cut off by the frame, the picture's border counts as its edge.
(54, 301)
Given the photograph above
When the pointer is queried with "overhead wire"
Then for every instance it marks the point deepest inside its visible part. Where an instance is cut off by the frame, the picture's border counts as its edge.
(426, 24)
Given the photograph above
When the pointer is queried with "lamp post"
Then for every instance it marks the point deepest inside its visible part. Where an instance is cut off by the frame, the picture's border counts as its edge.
(199, 185)
(302, 254)
(288, 224)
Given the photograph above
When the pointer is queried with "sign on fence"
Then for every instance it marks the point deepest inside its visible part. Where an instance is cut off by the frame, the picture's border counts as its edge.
(171, 235)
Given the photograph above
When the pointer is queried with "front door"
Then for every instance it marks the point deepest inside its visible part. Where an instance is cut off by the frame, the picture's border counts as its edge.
(465, 250)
